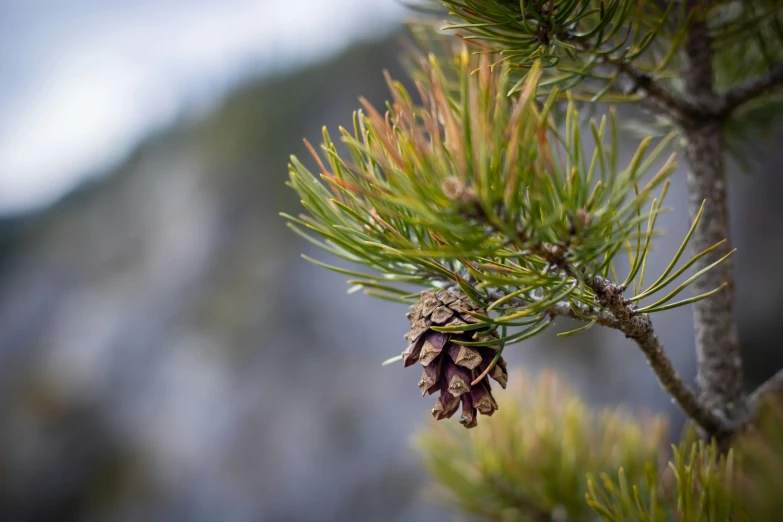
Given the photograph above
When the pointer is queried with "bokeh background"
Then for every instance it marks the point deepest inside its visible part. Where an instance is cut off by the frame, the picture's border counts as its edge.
(165, 354)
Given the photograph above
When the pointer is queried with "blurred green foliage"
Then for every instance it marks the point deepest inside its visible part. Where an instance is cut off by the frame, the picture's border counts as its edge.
(529, 462)
(703, 485)
(546, 455)
(695, 488)
(575, 40)
(760, 451)
(748, 43)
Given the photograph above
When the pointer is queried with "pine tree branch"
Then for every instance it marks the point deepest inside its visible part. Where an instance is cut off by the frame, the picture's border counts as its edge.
(754, 88)
(656, 96)
(772, 385)
(639, 328)
(617, 313)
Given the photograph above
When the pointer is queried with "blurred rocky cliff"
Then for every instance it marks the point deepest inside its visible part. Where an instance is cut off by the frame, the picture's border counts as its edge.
(165, 354)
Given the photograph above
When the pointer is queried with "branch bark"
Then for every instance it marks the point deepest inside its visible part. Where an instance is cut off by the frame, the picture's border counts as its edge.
(639, 328)
(601, 316)
(773, 385)
(656, 96)
(754, 88)
(617, 313)
(717, 343)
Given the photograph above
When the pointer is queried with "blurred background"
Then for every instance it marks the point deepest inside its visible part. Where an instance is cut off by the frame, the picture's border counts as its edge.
(165, 354)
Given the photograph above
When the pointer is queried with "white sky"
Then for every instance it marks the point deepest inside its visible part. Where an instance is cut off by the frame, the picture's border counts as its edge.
(81, 81)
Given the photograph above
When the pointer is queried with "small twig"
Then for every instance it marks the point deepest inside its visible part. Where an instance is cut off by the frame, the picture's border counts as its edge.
(617, 313)
(601, 316)
(752, 89)
(638, 327)
(772, 385)
(656, 95)
(566, 309)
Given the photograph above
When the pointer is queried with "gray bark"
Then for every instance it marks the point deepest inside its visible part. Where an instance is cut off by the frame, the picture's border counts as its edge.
(773, 386)
(616, 312)
(639, 328)
(717, 343)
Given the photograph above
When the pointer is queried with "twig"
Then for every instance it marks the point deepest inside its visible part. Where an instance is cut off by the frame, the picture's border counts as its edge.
(639, 328)
(656, 95)
(617, 313)
(601, 316)
(573, 310)
(621, 315)
(752, 89)
(685, 109)
(772, 385)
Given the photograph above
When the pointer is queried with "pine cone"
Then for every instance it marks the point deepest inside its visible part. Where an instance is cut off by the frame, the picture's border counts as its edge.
(450, 368)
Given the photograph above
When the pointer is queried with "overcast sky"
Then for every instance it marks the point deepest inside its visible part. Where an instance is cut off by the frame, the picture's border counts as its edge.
(81, 81)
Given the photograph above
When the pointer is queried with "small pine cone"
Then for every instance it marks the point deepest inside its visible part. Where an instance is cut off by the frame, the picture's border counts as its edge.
(450, 368)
